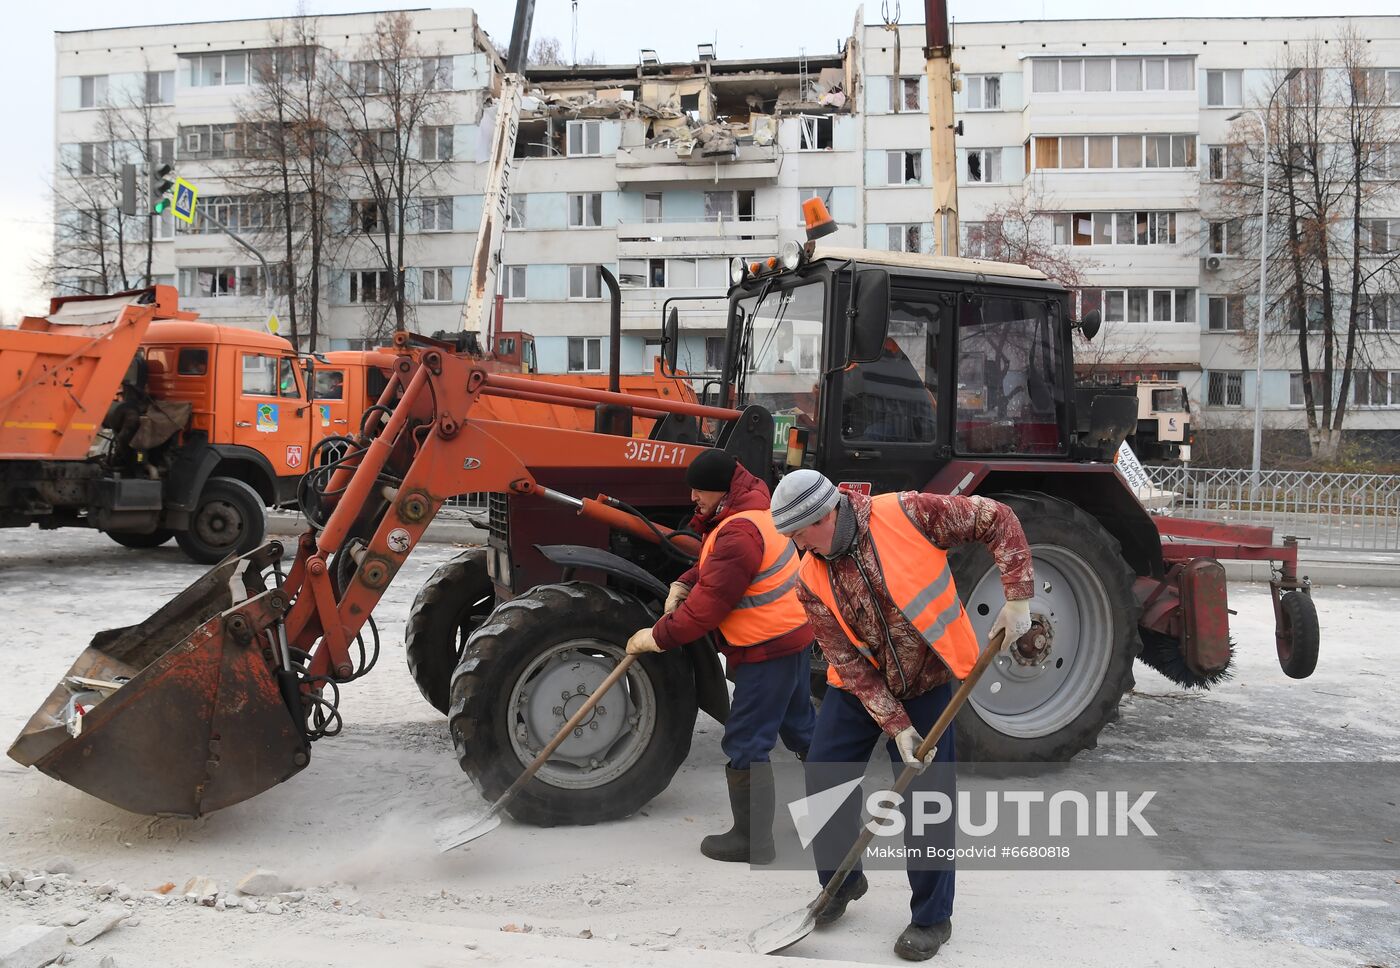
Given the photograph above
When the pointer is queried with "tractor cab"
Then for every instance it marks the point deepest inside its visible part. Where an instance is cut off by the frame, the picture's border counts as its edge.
(880, 367)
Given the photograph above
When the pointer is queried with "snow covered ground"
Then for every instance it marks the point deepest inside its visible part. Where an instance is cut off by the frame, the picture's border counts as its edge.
(353, 832)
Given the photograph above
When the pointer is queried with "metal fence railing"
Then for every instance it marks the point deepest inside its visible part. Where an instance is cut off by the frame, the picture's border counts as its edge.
(1334, 511)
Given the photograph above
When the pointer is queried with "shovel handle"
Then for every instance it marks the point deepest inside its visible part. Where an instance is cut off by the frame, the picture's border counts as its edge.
(945, 720)
(563, 734)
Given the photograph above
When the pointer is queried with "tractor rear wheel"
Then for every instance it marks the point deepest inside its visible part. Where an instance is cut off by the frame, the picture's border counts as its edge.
(131, 539)
(229, 519)
(530, 666)
(1051, 706)
(449, 608)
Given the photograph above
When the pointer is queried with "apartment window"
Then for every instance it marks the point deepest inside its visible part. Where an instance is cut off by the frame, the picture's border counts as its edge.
(160, 87)
(585, 138)
(437, 73)
(516, 217)
(984, 165)
(1295, 388)
(1381, 235)
(584, 283)
(161, 151)
(714, 353)
(215, 70)
(1144, 305)
(1225, 313)
(904, 167)
(1114, 228)
(1224, 238)
(815, 132)
(222, 281)
(94, 157)
(983, 92)
(437, 214)
(651, 207)
(1374, 388)
(585, 354)
(904, 94)
(1224, 89)
(1381, 85)
(1120, 151)
(437, 143)
(367, 216)
(437, 285)
(720, 206)
(1378, 311)
(906, 238)
(1384, 162)
(371, 285)
(586, 211)
(368, 77)
(1225, 388)
(513, 282)
(1123, 74)
(978, 242)
(1222, 162)
(92, 91)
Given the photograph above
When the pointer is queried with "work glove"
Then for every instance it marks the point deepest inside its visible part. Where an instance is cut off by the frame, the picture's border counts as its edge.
(1015, 619)
(642, 641)
(907, 741)
(679, 590)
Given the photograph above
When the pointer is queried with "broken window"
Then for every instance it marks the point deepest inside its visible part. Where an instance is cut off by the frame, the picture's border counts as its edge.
(904, 94)
(515, 218)
(690, 103)
(904, 167)
(533, 140)
(906, 237)
(656, 273)
(584, 138)
(984, 165)
(720, 207)
(367, 216)
(816, 132)
(651, 207)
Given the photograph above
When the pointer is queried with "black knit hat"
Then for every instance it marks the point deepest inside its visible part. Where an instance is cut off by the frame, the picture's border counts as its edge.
(711, 471)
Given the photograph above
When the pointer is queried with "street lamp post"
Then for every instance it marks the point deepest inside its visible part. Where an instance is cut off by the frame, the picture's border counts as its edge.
(1263, 283)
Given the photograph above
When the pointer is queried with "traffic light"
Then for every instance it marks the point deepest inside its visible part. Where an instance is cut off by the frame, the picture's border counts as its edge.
(161, 182)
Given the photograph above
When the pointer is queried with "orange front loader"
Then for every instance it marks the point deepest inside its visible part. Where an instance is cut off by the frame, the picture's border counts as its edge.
(218, 695)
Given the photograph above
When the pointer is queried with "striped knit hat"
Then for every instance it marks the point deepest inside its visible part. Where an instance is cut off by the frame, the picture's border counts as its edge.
(801, 498)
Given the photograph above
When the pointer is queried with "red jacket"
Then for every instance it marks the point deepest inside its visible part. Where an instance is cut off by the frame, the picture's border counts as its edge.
(735, 558)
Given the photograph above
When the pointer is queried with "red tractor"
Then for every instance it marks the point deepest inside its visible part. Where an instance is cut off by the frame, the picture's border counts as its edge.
(885, 371)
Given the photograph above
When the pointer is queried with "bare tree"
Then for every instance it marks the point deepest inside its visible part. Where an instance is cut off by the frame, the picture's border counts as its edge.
(286, 117)
(394, 137)
(1329, 153)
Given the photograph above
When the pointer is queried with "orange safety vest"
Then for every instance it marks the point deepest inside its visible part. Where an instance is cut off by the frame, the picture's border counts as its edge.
(769, 607)
(919, 582)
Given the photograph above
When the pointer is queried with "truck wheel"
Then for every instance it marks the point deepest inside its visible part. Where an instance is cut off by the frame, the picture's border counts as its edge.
(1050, 707)
(1298, 635)
(450, 606)
(526, 670)
(130, 539)
(229, 519)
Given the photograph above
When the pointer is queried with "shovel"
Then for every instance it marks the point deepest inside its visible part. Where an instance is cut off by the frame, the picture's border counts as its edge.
(492, 819)
(792, 928)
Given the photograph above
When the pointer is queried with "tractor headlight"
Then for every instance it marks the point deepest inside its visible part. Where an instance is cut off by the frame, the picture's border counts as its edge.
(790, 255)
(737, 269)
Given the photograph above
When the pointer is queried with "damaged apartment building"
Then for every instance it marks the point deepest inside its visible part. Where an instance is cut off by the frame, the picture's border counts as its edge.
(664, 172)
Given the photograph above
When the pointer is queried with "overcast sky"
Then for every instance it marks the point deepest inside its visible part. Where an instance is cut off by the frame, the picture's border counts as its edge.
(613, 29)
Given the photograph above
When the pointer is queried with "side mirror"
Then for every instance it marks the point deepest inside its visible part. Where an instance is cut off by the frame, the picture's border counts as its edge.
(865, 339)
(1090, 323)
(671, 339)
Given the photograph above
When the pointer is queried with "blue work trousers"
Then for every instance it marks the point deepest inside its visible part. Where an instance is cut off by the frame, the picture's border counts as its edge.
(772, 699)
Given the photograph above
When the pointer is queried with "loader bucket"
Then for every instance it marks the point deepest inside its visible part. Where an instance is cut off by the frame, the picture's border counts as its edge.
(180, 715)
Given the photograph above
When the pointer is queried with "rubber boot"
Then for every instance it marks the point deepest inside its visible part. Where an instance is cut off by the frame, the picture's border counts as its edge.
(750, 840)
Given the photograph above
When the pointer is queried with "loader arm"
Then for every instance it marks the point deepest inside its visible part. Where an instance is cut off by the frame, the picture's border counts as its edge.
(238, 679)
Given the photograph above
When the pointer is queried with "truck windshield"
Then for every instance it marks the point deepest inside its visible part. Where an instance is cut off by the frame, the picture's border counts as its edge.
(1010, 397)
(777, 360)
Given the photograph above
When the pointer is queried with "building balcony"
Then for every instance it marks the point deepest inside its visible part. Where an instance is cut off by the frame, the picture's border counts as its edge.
(642, 309)
(666, 165)
(694, 237)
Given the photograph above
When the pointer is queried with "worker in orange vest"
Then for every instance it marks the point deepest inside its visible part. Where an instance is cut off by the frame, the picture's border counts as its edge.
(876, 585)
(743, 586)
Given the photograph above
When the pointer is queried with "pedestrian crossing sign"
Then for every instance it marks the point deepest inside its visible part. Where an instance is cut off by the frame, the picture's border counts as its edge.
(186, 196)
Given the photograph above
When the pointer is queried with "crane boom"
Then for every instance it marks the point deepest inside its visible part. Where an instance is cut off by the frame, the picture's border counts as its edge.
(938, 65)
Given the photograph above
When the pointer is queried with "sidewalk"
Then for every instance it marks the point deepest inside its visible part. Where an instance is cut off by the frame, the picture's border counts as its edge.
(1353, 568)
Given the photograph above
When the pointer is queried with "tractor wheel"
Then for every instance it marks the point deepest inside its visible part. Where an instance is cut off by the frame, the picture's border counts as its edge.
(526, 671)
(1298, 635)
(228, 520)
(1050, 707)
(449, 608)
(131, 539)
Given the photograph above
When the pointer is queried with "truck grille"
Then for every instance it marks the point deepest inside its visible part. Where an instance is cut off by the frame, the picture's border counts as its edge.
(498, 519)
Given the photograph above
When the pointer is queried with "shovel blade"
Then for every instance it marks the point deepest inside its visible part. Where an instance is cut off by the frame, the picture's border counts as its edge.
(783, 932)
(455, 833)
(198, 722)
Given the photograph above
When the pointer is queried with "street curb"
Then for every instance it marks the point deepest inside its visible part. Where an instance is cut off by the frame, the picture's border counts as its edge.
(1354, 574)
